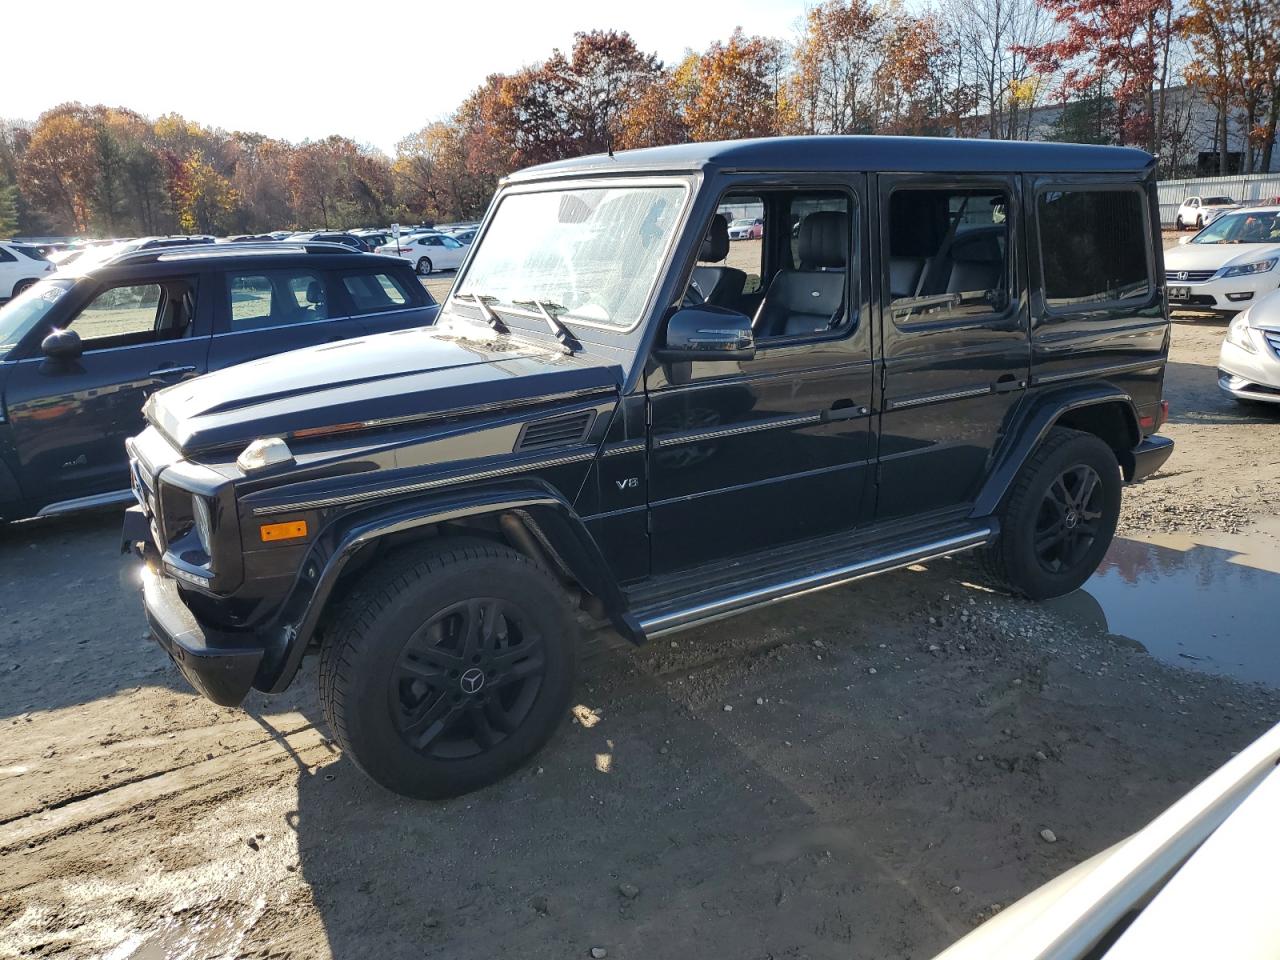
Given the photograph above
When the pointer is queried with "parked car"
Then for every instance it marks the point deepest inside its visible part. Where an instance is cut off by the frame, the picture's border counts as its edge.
(1192, 883)
(428, 252)
(747, 229)
(1249, 360)
(374, 238)
(465, 236)
(1199, 212)
(586, 437)
(81, 352)
(1227, 264)
(346, 239)
(21, 265)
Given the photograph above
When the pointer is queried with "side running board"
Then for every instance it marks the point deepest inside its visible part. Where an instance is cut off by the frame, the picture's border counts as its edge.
(707, 609)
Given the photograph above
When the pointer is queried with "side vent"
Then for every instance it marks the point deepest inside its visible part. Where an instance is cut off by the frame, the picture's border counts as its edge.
(555, 431)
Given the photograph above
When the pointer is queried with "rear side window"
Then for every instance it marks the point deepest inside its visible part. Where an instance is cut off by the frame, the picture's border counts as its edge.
(31, 252)
(948, 254)
(1093, 246)
(275, 298)
(6, 256)
(372, 292)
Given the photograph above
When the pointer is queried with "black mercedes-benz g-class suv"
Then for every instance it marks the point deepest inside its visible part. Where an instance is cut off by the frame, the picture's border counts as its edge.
(936, 346)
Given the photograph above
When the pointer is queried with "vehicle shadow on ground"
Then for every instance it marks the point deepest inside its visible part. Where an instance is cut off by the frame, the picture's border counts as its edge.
(72, 629)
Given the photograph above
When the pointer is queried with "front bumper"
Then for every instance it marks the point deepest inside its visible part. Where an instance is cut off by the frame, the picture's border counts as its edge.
(1150, 456)
(1250, 376)
(221, 665)
(1227, 296)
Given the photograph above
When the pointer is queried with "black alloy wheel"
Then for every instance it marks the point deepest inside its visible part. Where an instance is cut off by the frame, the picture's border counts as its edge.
(467, 679)
(1069, 519)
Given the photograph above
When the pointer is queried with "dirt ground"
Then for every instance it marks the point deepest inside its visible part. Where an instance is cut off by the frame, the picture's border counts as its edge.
(863, 773)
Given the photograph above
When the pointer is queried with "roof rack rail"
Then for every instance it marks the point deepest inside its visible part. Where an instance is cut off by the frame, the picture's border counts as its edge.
(202, 250)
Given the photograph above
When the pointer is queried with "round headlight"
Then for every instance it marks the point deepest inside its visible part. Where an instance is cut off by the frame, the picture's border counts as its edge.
(204, 523)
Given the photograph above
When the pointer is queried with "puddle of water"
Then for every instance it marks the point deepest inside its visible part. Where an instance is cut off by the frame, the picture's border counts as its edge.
(1209, 602)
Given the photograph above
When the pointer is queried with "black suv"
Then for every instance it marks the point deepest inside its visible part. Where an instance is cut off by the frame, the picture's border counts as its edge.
(620, 422)
(80, 352)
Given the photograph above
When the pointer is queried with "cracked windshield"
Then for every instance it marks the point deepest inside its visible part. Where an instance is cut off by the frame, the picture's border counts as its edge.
(586, 255)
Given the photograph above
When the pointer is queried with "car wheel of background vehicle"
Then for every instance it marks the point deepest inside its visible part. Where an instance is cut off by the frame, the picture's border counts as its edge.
(448, 666)
(1059, 518)
(1179, 224)
(22, 285)
(1200, 222)
(424, 267)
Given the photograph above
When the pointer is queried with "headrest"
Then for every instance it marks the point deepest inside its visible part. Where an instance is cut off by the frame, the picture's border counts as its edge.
(315, 292)
(715, 246)
(824, 239)
(984, 248)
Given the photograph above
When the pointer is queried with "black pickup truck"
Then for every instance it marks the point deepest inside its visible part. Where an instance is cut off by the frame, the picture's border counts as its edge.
(620, 423)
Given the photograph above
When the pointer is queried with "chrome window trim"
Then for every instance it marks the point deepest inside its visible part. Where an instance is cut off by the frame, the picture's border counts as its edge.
(1097, 371)
(922, 399)
(715, 433)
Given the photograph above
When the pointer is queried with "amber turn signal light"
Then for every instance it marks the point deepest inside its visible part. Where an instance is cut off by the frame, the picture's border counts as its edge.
(292, 530)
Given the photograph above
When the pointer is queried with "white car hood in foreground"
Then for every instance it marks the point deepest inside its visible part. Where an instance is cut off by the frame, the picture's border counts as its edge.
(1214, 256)
(1065, 918)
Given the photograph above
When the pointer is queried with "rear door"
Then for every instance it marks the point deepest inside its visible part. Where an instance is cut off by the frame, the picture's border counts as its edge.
(70, 418)
(264, 311)
(953, 333)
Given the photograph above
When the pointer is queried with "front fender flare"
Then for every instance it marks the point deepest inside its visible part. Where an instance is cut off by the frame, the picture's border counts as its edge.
(1033, 424)
(552, 518)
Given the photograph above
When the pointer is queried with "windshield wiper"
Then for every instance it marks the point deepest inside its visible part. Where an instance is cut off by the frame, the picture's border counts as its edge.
(568, 343)
(481, 300)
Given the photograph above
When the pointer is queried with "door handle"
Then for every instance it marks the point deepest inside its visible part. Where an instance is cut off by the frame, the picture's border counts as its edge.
(1007, 384)
(164, 373)
(843, 410)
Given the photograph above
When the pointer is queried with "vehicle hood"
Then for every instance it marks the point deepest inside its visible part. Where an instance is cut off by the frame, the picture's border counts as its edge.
(1213, 256)
(427, 373)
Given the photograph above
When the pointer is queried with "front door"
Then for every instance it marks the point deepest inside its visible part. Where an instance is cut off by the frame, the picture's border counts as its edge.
(954, 335)
(70, 418)
(748, 455)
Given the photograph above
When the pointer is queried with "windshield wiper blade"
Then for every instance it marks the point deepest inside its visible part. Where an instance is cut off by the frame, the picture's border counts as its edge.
(481, 300)
(568, 343)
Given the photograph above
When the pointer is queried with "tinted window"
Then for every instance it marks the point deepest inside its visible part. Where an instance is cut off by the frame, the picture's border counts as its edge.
(948, 253)
(136, 313)
(430, 241)
(274, 298)
(32, 252)
(6, 256)
(371, 292)
(1093, 246)
(449, 242)
(1217, 201)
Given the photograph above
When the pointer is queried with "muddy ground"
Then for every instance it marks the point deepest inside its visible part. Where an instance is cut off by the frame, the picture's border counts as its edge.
(861, 773)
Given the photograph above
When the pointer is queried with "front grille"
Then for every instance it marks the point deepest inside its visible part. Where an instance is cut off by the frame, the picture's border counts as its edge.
(555, 431)
(1273, 341)
(1189, 276)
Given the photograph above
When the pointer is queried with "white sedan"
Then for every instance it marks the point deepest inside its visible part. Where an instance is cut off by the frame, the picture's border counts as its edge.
(1228, 264)
(1199, 212)
(21, 265)
(1249, 362)
(428, 252)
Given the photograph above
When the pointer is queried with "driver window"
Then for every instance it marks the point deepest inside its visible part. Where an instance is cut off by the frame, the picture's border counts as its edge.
(134, 314)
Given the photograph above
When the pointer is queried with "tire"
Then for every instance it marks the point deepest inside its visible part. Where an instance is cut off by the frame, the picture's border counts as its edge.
(1179, 224)
(22, 285)
(1057, 523)
(411, 703)
(424, 267)
(1200, 221)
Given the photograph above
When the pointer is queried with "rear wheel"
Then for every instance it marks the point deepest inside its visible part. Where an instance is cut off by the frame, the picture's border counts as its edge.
(424, 267)
(22, 285)
(448, 667)
(1060, 517)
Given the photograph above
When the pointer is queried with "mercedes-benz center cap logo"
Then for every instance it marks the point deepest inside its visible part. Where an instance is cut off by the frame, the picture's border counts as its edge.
(472, 680)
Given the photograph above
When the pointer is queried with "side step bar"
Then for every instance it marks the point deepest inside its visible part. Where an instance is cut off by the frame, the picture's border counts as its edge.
(728, 605)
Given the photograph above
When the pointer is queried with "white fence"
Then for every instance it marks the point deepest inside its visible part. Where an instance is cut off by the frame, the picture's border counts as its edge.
(1246, 188)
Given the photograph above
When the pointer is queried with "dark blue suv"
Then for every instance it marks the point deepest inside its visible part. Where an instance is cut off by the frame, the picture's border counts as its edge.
(81, 351)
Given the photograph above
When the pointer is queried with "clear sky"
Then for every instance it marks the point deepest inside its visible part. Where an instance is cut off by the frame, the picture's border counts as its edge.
(297, 69)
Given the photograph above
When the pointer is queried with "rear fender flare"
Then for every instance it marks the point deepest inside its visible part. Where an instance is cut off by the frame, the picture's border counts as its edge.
(551, 519)
(1039, 417)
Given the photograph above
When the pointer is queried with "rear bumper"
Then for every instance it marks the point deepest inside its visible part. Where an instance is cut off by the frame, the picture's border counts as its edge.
(1150, 456)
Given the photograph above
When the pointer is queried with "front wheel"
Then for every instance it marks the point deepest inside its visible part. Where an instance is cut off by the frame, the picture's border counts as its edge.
(448, 667)
(1060, 517)
(424, 267)
(1179, 224)
(1200, 222)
